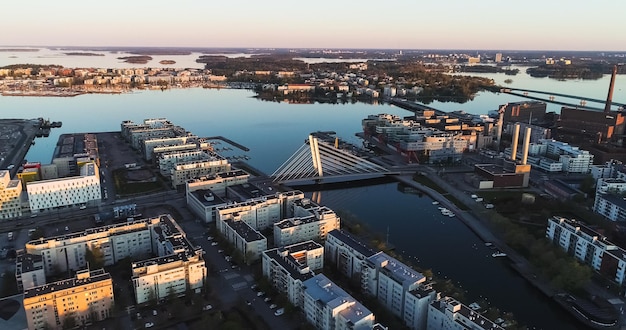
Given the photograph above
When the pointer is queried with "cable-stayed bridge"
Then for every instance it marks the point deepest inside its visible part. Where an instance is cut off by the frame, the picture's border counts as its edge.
(321, 161)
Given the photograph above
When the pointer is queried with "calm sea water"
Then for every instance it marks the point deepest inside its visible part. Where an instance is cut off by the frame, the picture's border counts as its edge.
(273, 131)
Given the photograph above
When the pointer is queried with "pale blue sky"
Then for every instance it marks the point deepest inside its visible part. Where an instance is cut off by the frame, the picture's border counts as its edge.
(400, 24)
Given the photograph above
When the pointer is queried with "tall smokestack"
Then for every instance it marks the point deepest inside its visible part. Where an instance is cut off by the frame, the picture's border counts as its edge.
(609, 97)
(500, 122)
(515, 141)
(526, 146)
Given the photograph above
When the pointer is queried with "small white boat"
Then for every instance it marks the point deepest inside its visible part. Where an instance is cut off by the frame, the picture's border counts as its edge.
(498, 254)
(435, 203)
(474, 306)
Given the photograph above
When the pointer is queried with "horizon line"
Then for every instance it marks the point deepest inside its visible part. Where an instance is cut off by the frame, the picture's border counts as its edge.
(317, 48)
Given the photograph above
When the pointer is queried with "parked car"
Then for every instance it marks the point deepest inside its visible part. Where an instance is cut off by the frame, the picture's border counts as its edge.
(207, 308)
(154, 312)
(260, 294)
(149, 325)
(272, 306)
(279, 312)
(267, 299)
(214, 243)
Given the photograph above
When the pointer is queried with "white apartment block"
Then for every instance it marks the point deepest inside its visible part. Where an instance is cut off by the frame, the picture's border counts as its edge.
(288, 267)
(449, 314)
(328, 307)
(149, 145)
(263, 212)
(167, 160)
(173, 274)
(137, 240)
(249, 242)
(588, 246)
(10, 196)
(211, 164)
(118, 241)
(310, 222)
(49, 194)
(86, 298)
(390, 281)
(218, 182)
(610, 185)
(610, 206)
(347, 253)
(573, 159)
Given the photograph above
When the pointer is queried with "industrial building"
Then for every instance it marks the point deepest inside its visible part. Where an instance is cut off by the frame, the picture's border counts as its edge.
(524, 111)
(511, 173)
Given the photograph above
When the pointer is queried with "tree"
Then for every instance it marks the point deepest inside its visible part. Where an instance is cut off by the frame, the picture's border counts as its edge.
(94, 257)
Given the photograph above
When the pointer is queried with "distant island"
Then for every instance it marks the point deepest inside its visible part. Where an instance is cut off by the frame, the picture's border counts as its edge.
(139, 59)
(167, 62)
(19, 49)
(82, 54)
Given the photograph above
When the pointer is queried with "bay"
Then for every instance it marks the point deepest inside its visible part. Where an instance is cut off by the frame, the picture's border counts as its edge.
(273, 131)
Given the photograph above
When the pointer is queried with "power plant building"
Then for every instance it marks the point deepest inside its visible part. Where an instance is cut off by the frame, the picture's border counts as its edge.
(525, 111)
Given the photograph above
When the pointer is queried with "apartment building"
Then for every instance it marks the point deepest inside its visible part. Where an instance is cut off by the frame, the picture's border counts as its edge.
(288, 267)
(168, 160)
(118, 241)
(610, 206)
(310, 222)
(173, 274)
(261, 212)
(449, 314)
(346, 252)
(588, 246)
(10, 196)
(328, 307)
(50, 194)
(29, 271)
(210, 164)
(390, 281)
(248, 241)
(81, 300)
(217, 182)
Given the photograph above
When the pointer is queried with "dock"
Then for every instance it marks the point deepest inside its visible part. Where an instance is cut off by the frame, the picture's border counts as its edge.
(229, 141)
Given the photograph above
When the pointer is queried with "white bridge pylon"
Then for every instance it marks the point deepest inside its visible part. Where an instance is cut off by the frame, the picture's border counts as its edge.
(318, 159)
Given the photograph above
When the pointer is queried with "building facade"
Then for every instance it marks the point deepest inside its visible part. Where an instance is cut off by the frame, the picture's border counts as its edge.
(10, 196)
(328, 307)
(449, 314)
(81, 300)
(589, 247)
(347, 253)
(50, 194)
(288, 267)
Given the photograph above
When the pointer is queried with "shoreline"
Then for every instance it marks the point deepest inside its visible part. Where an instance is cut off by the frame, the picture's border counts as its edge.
(516, 261)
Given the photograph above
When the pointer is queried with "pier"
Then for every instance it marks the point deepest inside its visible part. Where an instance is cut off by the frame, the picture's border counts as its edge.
(229, 141)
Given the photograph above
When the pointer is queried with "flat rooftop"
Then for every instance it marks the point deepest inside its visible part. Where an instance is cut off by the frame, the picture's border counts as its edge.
(320, 288)
(245, 231)
(396, 270)
(201, 196)
(94, 276)
(352, 242)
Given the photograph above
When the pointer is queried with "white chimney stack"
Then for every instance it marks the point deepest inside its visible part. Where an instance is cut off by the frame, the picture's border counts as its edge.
(526, 146)
(515, 141)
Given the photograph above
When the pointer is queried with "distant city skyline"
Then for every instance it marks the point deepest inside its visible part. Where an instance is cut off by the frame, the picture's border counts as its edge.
(403, 24)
